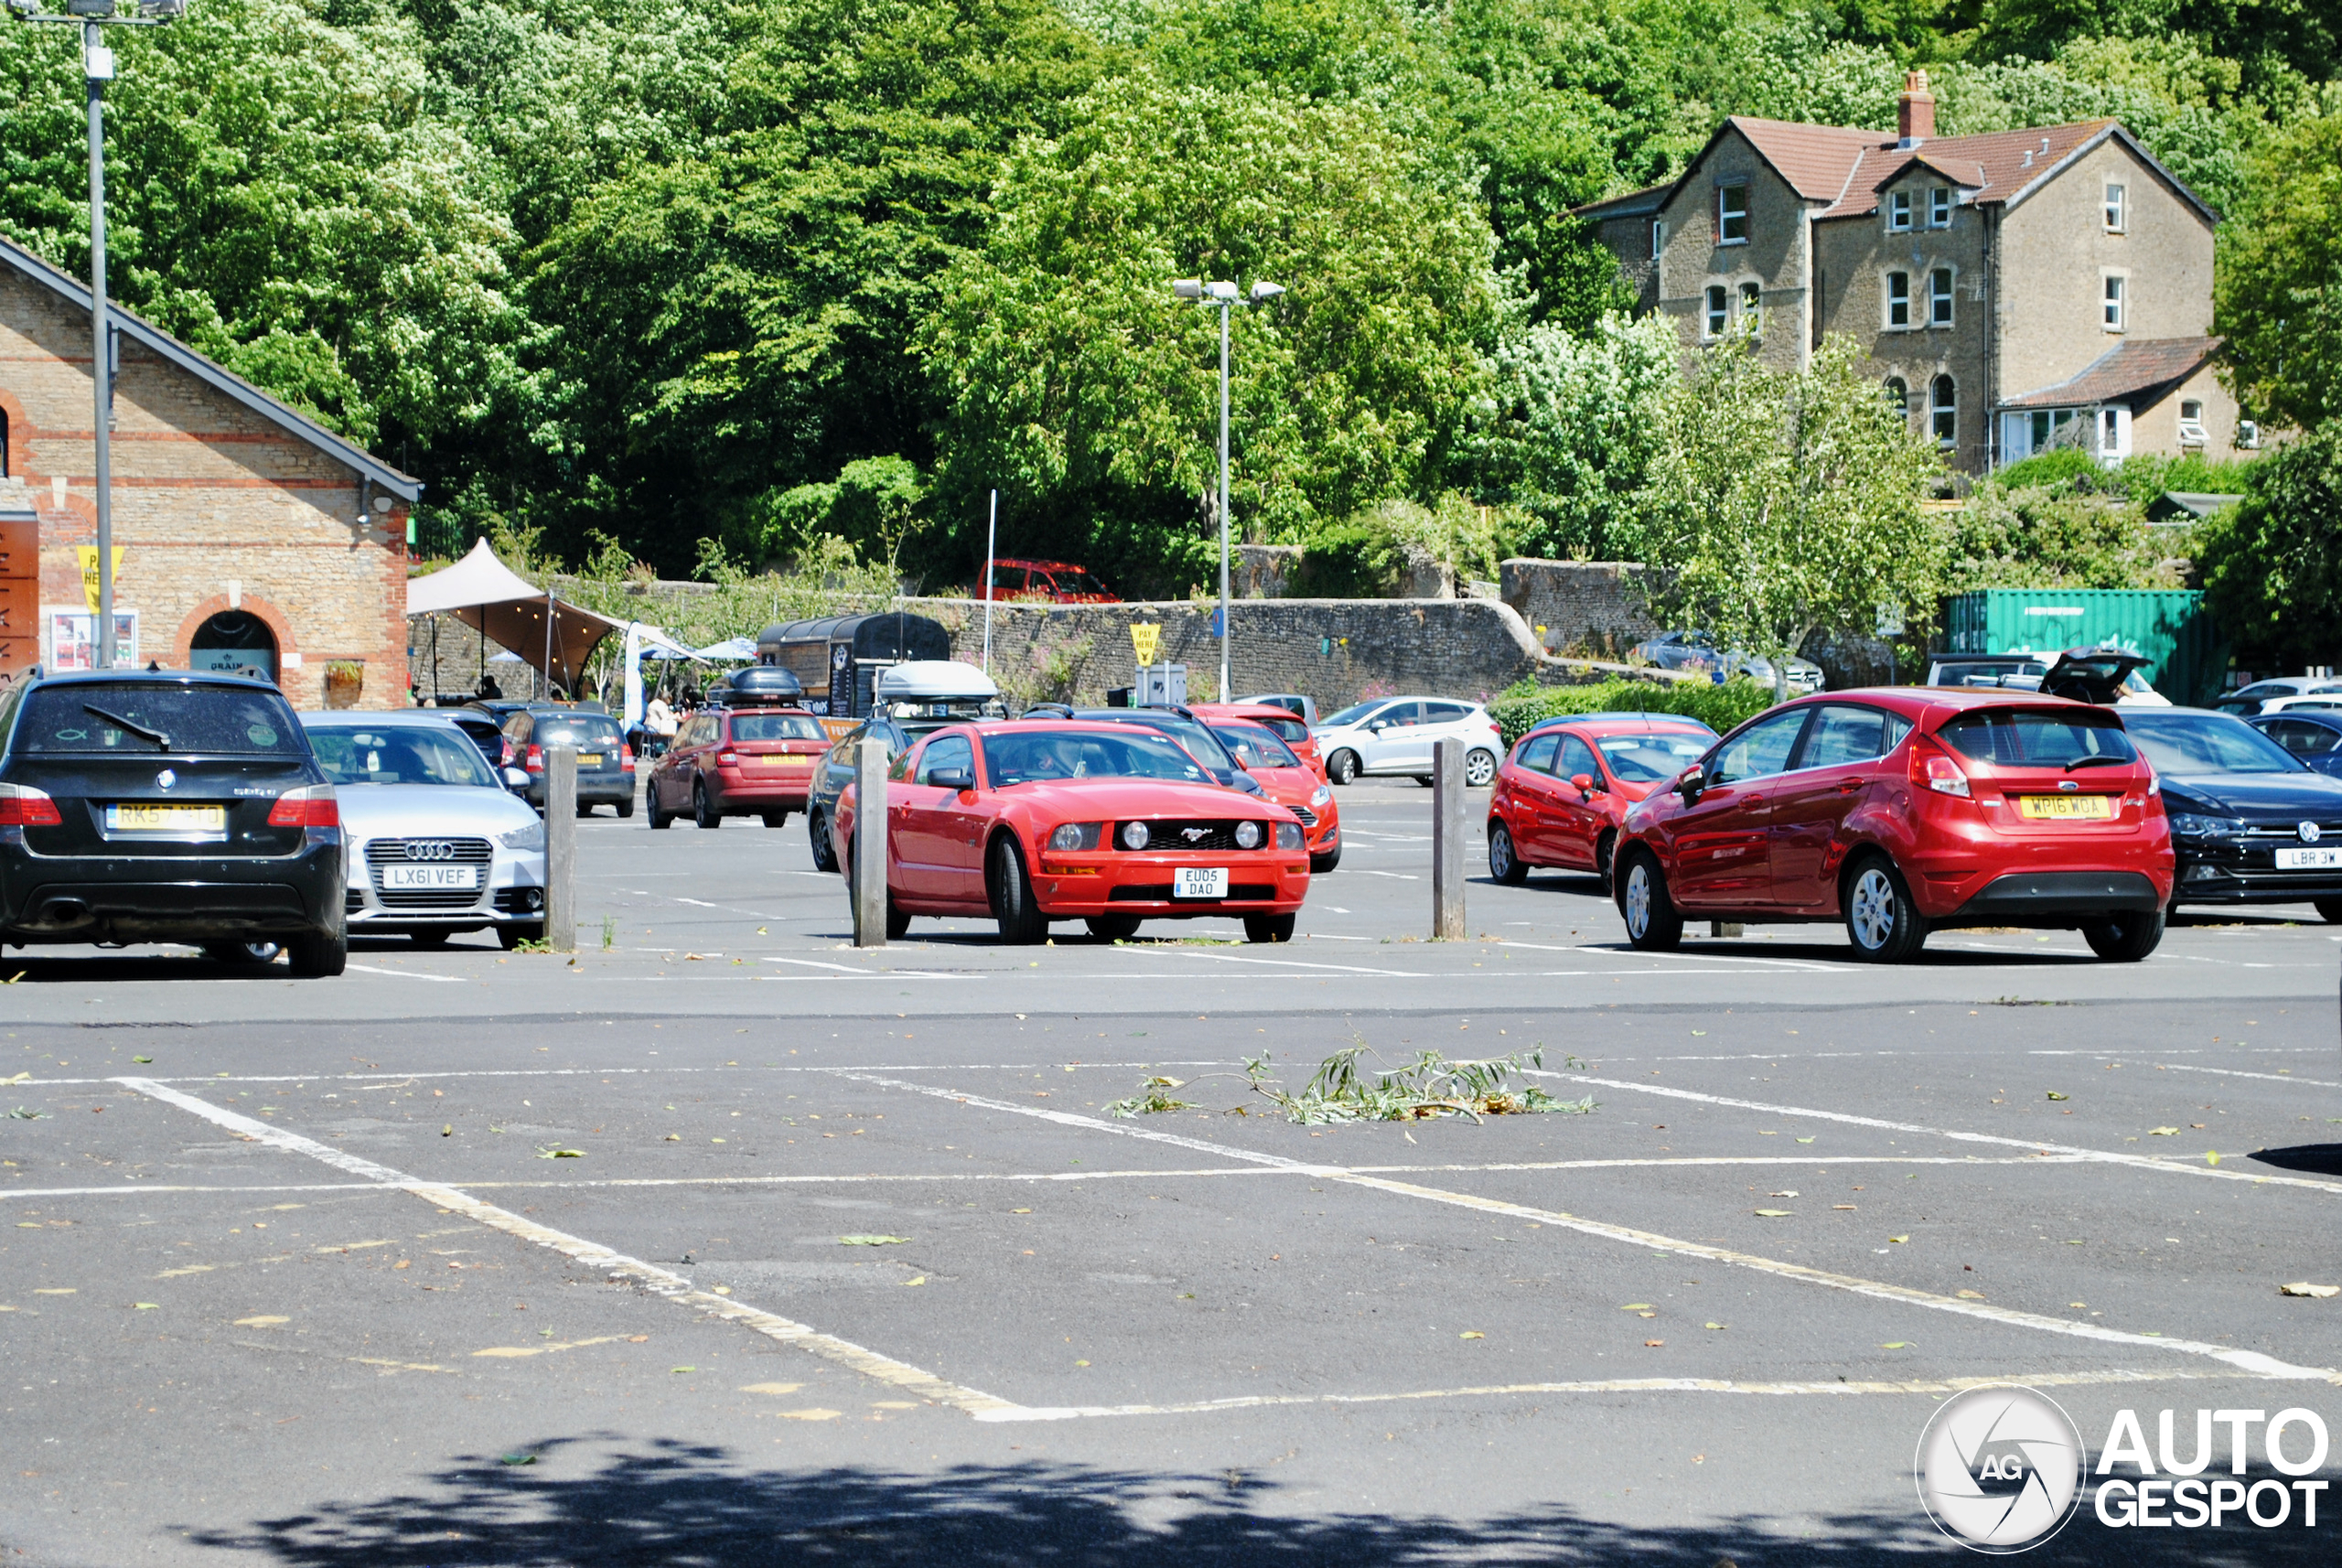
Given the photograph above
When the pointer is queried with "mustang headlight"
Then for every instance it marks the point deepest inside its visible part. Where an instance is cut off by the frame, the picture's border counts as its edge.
(1248, 834)
(1076, 835)
(1289, 836)
(1134, 835)
(2189, 825)
(1321, 795)
(530, 837)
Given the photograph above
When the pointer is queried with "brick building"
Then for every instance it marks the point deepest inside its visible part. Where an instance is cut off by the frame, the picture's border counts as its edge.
(2014, 290)
(249, 536)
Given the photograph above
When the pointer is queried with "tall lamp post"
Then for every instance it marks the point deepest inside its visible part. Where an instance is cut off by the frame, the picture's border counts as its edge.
(97, 69)
(1223, 297)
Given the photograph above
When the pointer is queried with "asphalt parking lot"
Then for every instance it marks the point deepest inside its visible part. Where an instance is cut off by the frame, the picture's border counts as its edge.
(728, 1243)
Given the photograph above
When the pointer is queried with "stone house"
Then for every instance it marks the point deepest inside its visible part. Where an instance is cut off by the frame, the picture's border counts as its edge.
(2013, 291)
(248, 535)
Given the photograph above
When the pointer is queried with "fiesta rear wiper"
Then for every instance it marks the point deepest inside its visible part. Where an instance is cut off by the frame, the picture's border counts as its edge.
(132, 725)
(2097, 762)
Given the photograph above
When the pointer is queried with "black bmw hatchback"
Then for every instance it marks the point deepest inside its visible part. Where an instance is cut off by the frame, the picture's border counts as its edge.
(168, 807)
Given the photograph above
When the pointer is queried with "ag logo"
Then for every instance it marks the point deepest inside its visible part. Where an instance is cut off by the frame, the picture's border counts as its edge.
(1999, 1469)
(430, 849)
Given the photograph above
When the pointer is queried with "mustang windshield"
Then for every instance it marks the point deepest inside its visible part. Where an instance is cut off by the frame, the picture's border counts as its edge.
(1064, 757)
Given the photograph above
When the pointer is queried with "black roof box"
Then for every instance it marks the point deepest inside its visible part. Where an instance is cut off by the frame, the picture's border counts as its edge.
(759, 685)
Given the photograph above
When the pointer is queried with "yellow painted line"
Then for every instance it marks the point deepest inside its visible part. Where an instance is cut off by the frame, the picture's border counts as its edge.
(647, 1277)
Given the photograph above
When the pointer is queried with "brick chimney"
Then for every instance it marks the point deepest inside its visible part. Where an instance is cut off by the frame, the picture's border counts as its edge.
(1915, 111)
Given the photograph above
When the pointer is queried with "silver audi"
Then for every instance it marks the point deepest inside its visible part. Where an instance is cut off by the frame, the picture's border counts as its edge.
(438, 845)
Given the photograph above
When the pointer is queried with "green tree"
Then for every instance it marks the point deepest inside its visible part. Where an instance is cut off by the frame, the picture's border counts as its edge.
(1787, 502)
(2278, 294)
(2272, 565)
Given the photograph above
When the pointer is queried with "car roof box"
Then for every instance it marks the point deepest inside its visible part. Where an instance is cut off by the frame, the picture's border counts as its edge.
(758, 686)
(934, 681)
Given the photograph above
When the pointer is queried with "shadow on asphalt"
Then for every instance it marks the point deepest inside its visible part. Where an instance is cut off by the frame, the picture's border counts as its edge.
(2315, 1159)
(694, 1506)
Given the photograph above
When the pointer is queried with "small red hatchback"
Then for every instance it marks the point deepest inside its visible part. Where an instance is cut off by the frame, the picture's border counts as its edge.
(1563, 791)
(1904, 811)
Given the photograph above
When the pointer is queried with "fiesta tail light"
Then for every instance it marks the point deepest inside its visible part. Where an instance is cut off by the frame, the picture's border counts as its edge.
(1932, 765)
(728, 759)
(535, 761)
(310, 807)
(22, 806)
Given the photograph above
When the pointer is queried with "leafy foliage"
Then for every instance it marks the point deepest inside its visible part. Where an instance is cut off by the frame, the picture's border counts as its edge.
(2278, 295)
(2272, 566)
(1341, 1090)
(1718, 706)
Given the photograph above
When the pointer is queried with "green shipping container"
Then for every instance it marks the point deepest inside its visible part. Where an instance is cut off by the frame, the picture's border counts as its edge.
(2188, 656)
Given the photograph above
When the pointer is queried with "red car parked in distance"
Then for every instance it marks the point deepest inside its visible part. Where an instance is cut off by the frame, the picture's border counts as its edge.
(1905, 811)
(737, 762)
(1031, 822)
(1291, 783)
(1057, 581)
(1282, 722)
(1562, 795)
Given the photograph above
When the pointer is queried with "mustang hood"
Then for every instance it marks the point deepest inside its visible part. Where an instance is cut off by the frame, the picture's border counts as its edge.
(1152, 799)
(2283, 798)
(408, 811)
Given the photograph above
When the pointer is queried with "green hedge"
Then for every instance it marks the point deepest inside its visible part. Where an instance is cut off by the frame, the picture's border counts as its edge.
(1718, 706)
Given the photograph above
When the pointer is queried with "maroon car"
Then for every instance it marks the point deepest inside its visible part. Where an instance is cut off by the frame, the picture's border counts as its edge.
(737, 762)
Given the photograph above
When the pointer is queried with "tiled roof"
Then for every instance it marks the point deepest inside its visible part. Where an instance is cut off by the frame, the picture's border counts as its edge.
(1815, 160)
(2124, 372)
(1627, 203)
(1998, 165)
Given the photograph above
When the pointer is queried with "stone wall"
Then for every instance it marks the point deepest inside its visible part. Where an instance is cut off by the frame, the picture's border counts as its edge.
(1579, 607)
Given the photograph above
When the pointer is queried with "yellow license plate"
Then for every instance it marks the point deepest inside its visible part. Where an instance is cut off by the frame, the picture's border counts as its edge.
(166, 818)
(589, 759)
(2063, 808)
(788, 762)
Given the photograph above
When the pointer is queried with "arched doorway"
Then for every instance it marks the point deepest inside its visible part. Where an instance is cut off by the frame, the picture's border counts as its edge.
(235, 643)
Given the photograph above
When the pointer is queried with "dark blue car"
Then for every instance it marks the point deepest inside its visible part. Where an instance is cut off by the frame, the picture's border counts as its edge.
(2250, 821)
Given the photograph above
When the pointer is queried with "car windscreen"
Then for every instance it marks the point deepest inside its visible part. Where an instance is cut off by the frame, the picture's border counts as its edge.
(1062, 756)
(2036, 737)
(1288, 730)
(1196, 737)
(584, 732)
(1651, 758)
(1350, 715)
(1257, 747)
(2208, 743)
(399, 754)
(151, 717)
(748, 727)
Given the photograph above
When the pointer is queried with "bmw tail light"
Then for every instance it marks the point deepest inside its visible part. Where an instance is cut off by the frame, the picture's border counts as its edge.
(536, 759)
(1077, 835)
(310, 807)
(1938, 772)
(22, 806)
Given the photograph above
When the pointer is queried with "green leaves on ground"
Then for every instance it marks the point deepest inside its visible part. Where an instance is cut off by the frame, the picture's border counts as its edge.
(1153, 1098)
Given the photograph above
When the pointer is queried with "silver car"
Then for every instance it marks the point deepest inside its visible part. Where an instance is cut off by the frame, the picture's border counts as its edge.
(437, 844)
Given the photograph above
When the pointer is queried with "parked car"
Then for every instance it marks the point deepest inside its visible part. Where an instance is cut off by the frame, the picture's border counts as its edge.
(1292, 783)
(485, 731)
(1056, 582)
(1301, 707)
(2021, 670)
(437, 844)
(605, 761)
(1902, 811)
(2313, 735)
(1562, 795)
(2315, 702)
(914, 698)
(2247, 700)
(1104, 823)
(1280, 721)
(1395, 735)
(1696, 652)
(153, 807)
(737, 762)
(2250, 821)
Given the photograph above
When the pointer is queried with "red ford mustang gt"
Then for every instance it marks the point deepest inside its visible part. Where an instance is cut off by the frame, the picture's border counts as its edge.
(1032, 822)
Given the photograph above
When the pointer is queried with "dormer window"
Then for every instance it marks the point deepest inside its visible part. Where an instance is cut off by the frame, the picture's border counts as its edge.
(1939, 208)
(2118, 209)
(1732, 214)
(1898, 299)
(1898, 211)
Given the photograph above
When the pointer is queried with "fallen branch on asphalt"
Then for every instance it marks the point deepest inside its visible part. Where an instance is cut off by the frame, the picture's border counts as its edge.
(1341, 1090)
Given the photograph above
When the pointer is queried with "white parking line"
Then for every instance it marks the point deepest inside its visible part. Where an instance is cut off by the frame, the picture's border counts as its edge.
(1287, 962)
(2251, 1362)
(877, 973)
(409, 975)
(2235, 1072)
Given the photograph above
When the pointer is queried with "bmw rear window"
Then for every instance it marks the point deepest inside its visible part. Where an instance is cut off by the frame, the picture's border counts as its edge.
(2035, 737)
(153, 717)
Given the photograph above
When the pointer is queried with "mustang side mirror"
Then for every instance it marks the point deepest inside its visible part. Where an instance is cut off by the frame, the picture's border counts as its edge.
(952, 779)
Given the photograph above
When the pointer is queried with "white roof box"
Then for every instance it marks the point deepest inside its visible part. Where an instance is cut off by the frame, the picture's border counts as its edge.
(935, 680)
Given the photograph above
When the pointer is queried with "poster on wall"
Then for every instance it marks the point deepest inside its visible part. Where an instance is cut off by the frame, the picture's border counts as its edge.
(71, 635)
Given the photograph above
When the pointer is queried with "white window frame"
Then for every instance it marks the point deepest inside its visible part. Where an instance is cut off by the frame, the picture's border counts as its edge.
(2192, 431)
(1940, 300)
(1895, 302)
(1902, 405)
(1898, 211)
(1939, 205)
(1658, 237)
(1726, 215)
(2114, 302)
(1715, 313)
(2248, 435)
(2116, 210)
(1943, 418)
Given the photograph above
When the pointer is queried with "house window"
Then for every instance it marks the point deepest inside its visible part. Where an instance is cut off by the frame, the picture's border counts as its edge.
(2112, 308)
(1898, 210)
(2110, 432)
(1718, 303)
(1732, 214)
(1657, 237)
(2191, 421)
(1944, 396)
(1939, 208)
(1940, 298)
(1898, 396)
(2118, 209)
(1898, 299)
(1752, 310)
(2049, 429)
(2248, 435)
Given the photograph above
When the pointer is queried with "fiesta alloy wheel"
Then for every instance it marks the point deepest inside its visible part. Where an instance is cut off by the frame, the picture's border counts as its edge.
(2125, 937)
(1881, 922)
(1342, 767)
(1504, 862)
(1653, 922)
(1479, 768)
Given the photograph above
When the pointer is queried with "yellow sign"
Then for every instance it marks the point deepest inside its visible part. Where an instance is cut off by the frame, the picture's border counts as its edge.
(1147, 637)
(89, 554)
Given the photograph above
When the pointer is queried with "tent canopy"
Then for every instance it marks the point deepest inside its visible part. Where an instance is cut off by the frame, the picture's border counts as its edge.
(484, 594)
(739, 649)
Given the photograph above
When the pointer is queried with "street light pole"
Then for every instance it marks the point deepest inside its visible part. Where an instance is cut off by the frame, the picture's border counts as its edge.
(92, 17)
(1226, 296)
